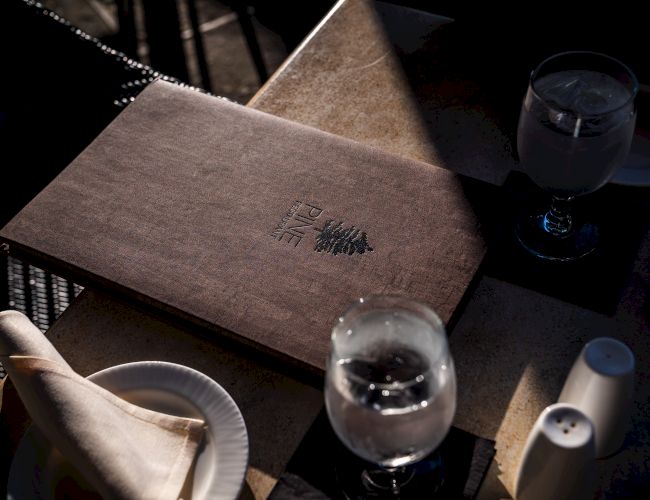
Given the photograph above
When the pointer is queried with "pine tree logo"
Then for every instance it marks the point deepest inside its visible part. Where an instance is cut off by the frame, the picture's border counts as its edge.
(337, 239)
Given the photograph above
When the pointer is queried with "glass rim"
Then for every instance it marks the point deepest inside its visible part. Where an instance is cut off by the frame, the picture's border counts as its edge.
(362, 302)
(625, 67)
(416, 307)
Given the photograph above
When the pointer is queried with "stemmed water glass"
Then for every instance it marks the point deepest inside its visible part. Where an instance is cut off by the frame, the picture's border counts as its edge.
(575, 129)
(390, 389)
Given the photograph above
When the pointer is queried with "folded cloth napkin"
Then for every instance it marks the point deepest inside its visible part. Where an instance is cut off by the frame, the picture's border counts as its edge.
(122, 450)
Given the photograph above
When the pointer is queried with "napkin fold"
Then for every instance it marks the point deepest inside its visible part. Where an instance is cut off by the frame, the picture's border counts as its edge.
(122, 450)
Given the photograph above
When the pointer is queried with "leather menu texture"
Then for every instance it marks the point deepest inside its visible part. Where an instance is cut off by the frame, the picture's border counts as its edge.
(248, 224)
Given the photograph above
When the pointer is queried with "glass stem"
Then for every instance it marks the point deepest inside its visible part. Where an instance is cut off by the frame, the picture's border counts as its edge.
(387, 480)
(558, 220)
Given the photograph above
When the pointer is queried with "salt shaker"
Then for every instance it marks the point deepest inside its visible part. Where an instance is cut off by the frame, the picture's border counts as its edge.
(558, 460)
(601, 385)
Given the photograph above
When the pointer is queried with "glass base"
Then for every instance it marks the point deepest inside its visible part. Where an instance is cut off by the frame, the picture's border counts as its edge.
(423, 479)
(533, 235)
(387, 482)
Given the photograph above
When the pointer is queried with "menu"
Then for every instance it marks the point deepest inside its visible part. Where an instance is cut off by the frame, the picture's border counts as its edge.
(249, 225)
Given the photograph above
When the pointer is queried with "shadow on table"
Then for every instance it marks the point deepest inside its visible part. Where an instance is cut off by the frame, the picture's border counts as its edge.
(467, 85)
(246, 493)
(595, 282)
(467, 79)
(14, 421)
(322, 467)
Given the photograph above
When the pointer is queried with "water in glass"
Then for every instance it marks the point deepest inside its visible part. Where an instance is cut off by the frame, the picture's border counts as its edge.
(575, 130)
(391, 397)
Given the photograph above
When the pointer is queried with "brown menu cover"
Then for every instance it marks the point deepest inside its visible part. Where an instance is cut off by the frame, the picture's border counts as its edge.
(250, 224)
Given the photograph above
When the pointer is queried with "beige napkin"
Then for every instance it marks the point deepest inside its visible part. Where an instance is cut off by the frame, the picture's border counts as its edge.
(122, 450)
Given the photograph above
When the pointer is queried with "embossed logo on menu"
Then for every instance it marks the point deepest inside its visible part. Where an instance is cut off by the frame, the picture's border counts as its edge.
(302, 220)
